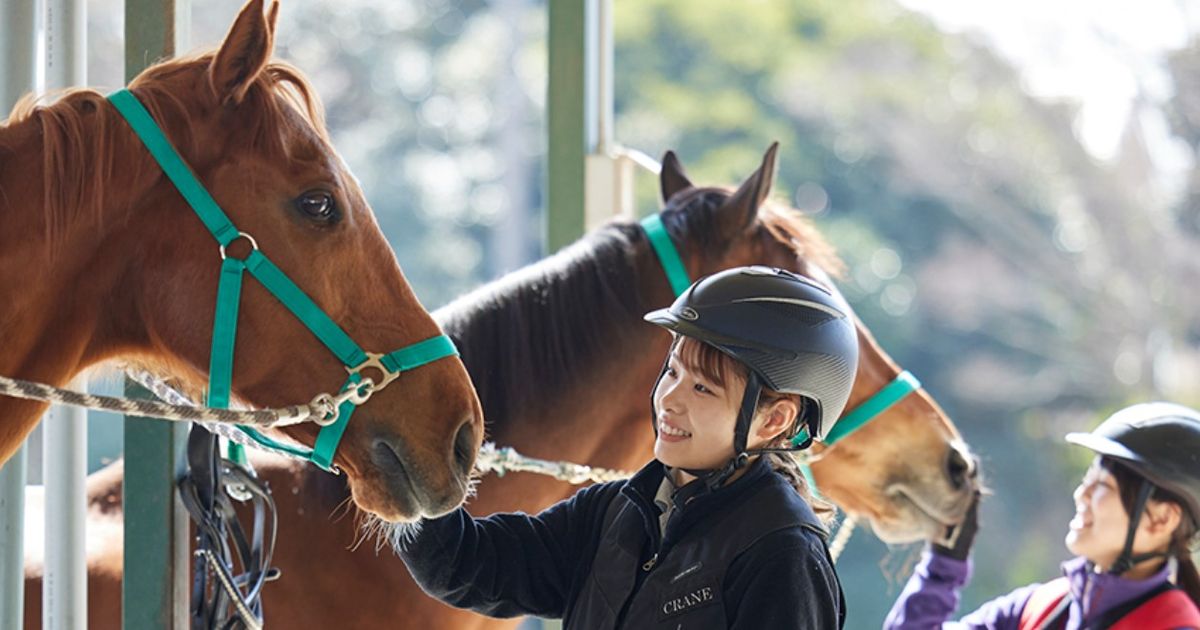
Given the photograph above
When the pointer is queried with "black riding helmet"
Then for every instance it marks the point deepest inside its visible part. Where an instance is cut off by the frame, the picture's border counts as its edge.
(796, 336)
(1160, 442)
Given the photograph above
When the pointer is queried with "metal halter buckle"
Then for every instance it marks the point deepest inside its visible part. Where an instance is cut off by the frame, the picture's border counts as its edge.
(386, 376)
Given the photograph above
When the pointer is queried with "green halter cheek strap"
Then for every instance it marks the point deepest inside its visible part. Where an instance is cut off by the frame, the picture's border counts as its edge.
(279, 285)
(904, 383)
(668, 256)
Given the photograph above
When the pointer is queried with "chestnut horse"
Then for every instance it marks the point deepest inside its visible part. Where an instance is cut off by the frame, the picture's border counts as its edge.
(564, 365)
(101, 259)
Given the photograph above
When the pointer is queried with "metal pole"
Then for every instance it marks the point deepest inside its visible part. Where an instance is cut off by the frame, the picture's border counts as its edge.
(18, 72)
(566, 107)
(64, 462)
(18, 51)
(155, 585)
(12, 541)
(608, 182)
(64, 587)
(598, 90)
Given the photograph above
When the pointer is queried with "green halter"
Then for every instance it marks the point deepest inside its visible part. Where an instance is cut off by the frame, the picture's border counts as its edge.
(274, 280)
(904, 383)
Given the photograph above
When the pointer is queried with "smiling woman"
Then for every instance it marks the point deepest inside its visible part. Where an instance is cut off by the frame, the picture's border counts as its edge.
(708, 534)
(1135, 525)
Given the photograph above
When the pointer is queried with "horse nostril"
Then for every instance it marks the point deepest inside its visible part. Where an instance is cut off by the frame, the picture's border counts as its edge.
(959, 468)
(464, 448)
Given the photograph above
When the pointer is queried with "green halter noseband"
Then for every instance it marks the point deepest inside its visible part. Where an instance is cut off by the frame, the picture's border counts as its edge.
(274, 280)
(904, 383)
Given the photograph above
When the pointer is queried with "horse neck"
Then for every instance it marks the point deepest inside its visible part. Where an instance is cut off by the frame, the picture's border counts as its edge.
(532, 340)
(59, 290)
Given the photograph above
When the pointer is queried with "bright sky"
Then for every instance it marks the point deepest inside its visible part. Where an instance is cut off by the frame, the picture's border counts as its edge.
(1098, 52)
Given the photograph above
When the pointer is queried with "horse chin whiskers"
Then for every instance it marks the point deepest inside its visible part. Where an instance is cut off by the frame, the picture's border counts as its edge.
(401, 535)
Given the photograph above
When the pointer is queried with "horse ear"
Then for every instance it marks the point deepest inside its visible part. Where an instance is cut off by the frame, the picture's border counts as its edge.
(244, 53)
(672, 179)
(742, 208)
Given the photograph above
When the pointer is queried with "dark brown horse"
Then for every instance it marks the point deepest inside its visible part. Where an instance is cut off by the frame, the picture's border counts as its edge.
(564, 365)
(101, 259)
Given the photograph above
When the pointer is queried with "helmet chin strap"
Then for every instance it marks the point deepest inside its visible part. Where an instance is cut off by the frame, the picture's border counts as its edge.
(1127, 560)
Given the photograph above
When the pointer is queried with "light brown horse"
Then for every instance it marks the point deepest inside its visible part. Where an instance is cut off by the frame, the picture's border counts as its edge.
(101, 259)
(564, 365)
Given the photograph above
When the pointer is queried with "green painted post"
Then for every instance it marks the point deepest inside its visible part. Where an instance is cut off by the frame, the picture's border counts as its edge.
(154, 592)
(155, 588)
(566, 105)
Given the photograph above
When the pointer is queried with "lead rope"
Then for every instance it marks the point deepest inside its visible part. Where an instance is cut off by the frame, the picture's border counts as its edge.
(842, 538)
(491, 458)
(323, 409)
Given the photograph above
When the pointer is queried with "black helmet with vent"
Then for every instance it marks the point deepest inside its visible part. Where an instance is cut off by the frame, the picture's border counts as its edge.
(796, 336)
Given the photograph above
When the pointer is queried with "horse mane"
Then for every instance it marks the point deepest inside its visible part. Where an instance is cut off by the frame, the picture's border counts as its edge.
(78, 130)
(538, 329)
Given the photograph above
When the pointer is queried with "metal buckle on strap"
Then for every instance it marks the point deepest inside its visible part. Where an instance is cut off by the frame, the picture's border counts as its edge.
(386, 376)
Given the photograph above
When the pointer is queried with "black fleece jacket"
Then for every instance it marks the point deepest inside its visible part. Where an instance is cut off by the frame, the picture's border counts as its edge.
(514, 564)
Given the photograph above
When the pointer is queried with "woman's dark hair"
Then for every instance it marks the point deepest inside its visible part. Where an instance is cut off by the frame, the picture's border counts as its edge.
(1183, 540)
(720, 368)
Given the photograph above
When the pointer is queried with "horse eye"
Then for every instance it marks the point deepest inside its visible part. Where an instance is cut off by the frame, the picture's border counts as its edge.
(318, 205)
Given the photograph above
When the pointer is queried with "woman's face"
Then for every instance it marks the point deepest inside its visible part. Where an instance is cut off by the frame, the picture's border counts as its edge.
(696, 416)
(1100, 525)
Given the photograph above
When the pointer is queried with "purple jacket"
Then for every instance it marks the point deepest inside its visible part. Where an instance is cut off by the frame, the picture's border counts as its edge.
(931, 596)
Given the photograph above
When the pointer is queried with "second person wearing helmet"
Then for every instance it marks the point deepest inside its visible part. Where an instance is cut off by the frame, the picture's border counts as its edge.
(1133, 533)
(717, 531)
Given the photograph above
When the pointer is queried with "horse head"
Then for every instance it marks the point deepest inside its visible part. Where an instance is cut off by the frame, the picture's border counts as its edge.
(140, 273)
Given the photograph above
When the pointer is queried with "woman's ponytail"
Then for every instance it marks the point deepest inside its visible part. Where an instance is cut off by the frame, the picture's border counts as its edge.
(1182, 545)
(788, 465)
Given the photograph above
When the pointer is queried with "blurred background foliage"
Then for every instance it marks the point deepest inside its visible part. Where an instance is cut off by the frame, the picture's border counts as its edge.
(1031, 286)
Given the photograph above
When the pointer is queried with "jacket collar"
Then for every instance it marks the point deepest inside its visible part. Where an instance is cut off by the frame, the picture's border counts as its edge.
(1098, 593)
(694, 500)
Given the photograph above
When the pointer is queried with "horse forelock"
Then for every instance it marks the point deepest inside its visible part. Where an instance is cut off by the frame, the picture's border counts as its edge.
(79, 131)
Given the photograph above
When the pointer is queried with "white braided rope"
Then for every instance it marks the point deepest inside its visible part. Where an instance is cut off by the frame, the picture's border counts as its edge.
(323, 409)
(842, 538)
(491, 459)
(169, 394)
(503, 460)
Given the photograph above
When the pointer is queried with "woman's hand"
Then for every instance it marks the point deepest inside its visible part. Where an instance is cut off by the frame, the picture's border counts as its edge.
(958, 543)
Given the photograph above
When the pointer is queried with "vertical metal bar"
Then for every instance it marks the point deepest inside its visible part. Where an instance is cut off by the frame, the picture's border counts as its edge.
(64, 586)
(154, 30)
(18, 51)
(12, 541)
(599, 91)
(566, 105)
(18, 73)
(154, 593)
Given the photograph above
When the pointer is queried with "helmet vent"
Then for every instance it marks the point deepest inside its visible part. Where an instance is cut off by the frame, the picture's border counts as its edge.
(794, 312)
